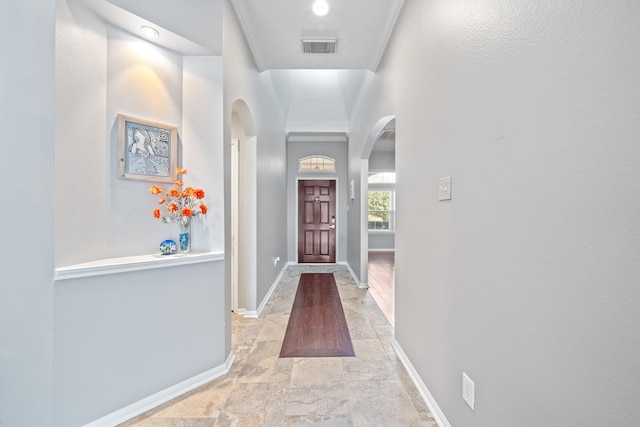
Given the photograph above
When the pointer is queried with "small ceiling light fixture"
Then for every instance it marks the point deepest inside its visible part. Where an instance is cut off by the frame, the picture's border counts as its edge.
(320, 7)
(152, 33)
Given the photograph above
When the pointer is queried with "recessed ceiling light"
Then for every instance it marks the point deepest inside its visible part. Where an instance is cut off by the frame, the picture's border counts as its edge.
(320, 7)
(152, 33)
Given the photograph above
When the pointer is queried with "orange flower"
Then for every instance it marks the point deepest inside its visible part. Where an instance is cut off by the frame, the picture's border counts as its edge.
(180, 171)
(199, 193)
(156, 213)
(187, 211)
(172, 207)
(188, 192)
(161, 201)
(178, 183)
(155, 189)
(174, 192)
(204, 209)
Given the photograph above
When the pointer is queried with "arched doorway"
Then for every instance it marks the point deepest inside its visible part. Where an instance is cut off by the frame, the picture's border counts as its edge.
(377, 249)
(243, 211)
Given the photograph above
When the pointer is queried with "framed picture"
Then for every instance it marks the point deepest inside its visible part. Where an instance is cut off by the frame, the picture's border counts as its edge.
(147, 151)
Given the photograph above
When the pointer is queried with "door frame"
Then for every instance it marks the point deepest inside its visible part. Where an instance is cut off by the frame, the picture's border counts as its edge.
(234, 223)
(297, 217)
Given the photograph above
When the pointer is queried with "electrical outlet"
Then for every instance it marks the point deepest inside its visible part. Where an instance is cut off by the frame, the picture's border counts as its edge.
(444, 188)
(468, 390)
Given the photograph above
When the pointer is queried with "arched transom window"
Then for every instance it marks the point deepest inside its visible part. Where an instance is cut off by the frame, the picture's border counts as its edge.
(317, 164)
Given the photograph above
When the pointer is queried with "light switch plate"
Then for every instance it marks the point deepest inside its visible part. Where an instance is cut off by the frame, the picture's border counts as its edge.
(468, 391)
(444, 188)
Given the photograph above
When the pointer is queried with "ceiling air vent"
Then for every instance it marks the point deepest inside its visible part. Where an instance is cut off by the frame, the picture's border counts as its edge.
(319, 45)
(388, 134)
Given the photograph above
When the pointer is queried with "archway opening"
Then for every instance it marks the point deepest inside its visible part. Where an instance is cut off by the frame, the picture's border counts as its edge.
(377, 249)
(243, 221)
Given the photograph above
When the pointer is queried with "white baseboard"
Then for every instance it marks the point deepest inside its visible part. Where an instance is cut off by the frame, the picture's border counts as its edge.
(247, 313)
(355, 278)
(382, 250)
(270, 291)
(155, 400)
(437, 413)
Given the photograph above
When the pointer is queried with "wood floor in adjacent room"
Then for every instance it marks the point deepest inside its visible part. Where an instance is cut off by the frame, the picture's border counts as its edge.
(382, 281)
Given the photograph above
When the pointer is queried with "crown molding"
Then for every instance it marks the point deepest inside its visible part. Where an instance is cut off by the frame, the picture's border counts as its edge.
(387, 31)
(317, 136)
(250, 37)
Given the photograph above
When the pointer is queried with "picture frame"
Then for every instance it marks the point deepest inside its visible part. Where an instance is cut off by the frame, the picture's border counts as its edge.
(147, 150)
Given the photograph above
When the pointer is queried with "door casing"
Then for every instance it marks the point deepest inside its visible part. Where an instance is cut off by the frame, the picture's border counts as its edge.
(337, 210)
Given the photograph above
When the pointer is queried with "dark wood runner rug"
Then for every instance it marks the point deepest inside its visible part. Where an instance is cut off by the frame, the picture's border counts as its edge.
(317, 327)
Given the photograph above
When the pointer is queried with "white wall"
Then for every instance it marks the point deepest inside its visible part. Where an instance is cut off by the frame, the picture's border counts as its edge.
(202, 151)
(336, 150)
(382, 241)
(527, 279)
(316, 102)
(382, 160)
(243, 82)
(145, 81)
(120, 338)
(82, 155)
(374, 109)
(124, 337)
(26, 293)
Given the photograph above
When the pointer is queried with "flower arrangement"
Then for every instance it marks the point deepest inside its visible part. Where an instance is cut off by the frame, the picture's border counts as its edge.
(181, 205)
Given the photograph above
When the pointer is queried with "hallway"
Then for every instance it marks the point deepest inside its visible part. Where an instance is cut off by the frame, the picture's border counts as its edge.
(372, 388)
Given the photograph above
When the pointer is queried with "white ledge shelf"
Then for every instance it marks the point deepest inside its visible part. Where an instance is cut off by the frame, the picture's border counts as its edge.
(133, 263)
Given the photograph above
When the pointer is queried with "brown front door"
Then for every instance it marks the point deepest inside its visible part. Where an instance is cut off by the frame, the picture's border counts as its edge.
(316, 221)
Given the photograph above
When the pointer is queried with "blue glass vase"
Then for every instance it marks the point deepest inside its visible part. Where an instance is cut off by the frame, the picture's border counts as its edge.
(184, 239)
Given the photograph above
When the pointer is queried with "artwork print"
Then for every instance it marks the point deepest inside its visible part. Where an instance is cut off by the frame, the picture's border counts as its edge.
(147, 149)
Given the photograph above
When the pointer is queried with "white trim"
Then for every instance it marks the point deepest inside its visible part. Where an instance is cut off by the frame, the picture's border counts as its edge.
(270, 291)
(382, 250)
(312, 178)
(317, 137)
(157, 399)
(247, 313)
(364, 219)
(133, 263)
(355, 278)
(239, 8)
(234, 166)
(437, 413)
(386, 30)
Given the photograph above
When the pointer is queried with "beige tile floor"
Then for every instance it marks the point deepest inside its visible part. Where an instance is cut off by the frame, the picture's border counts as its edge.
(371, 389)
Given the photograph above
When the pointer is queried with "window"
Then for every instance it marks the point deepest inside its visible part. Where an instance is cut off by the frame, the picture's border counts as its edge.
(382, 178)
(316, 164)
(382, 201)
(382, 210)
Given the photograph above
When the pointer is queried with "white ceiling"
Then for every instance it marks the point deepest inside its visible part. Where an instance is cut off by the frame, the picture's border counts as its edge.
(274, 28)
(317, 92)
(189, 27)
